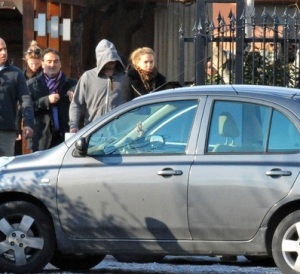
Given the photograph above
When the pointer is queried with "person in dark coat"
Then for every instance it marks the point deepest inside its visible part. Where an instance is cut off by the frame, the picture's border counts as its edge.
(142, 75)
(33, 60)
(51, 92)
(14, 91)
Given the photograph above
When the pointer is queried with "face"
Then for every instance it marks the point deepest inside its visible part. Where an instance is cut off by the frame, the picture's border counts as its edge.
(210, 69)
(3, 52)
(146, 62)
(34, 64)
(51, 64)
(109, 69)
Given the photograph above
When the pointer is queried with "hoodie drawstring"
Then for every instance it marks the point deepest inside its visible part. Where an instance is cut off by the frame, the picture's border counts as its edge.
(108, 91)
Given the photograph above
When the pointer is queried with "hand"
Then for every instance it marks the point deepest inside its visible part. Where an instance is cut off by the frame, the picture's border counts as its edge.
(70, 93)
(27, 132)
(73, 130)
(19, 137)
(54, 98)
(139, 129)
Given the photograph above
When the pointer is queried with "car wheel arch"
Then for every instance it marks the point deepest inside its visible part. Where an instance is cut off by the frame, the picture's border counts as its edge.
(14, 196)
(276, 217)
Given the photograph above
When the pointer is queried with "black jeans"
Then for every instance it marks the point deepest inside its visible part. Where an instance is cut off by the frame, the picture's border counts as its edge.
(57, 138)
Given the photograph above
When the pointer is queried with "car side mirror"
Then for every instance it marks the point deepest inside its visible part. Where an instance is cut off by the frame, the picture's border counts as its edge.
(80, 147)
(156, 141)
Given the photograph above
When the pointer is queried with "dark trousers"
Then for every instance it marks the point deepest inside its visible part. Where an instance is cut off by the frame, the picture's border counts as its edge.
(57, 138)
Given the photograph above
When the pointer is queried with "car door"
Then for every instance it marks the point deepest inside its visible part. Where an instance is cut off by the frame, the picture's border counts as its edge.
(130, 186)
(247, 161)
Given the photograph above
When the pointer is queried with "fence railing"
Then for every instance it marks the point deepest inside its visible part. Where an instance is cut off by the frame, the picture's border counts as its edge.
(254, 49)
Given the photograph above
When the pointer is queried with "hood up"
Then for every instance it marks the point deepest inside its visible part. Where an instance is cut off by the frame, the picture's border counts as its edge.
(106, 52)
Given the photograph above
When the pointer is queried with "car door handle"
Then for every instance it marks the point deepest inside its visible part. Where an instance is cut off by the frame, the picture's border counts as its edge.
(169, 172)
(278, 172)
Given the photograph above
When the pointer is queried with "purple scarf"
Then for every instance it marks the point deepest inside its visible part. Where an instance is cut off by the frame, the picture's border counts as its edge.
(52, 84)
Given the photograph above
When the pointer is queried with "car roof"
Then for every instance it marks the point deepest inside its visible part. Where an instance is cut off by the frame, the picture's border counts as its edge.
(233, 89)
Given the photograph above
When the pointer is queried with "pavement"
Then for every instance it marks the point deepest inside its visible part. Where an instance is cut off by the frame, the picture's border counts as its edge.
(179, 265)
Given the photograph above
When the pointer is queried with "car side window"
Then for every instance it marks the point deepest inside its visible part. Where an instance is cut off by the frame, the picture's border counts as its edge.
(225, 127)
(284, 135)
(241, 127)
(161, 128)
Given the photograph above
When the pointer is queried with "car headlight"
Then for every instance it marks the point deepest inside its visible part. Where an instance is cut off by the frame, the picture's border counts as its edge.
(5, 160)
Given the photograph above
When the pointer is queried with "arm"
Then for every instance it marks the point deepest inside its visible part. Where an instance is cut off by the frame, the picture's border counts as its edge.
(77, 105)
(127, 91)
(71, 82)
(39, 94)
(26, 106)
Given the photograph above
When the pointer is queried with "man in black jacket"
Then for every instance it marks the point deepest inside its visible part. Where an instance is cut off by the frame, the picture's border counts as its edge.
(13, 89)
(51, 93)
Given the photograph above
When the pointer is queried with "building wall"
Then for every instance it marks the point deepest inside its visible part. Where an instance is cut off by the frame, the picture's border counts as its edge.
(11, 32)
(128, 24)
(169, 19)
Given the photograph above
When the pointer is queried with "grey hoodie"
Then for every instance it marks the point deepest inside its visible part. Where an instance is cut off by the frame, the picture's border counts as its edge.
(93, 95)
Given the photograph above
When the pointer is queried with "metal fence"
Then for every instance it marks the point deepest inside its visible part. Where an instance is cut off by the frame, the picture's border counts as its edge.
(244, 49)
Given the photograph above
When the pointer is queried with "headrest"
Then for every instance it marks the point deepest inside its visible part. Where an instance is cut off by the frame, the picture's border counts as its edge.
(227, 126)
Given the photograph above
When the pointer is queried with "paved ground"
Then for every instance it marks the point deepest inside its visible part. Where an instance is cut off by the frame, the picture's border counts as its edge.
(178, 265)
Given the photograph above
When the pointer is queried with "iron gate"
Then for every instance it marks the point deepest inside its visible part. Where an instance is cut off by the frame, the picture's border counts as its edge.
(244, 49)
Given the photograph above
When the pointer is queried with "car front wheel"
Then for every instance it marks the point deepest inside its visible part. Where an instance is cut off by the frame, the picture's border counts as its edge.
(286, 244)
(26, 237)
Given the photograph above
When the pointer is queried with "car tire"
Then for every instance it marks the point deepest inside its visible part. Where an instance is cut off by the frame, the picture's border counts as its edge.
(75, 262)
(27, 240)
(138, 258)
(285, 244)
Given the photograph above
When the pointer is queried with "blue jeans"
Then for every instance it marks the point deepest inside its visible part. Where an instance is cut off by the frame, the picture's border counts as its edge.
(7, 143)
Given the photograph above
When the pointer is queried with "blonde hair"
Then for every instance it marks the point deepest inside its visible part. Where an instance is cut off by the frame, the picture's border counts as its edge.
(135, 56)
(34, 51)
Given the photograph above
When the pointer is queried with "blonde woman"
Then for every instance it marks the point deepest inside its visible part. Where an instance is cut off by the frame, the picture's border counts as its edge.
(33, 59)
(142, 75)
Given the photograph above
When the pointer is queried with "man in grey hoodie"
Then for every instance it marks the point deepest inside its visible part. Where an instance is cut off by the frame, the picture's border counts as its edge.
(99, 89)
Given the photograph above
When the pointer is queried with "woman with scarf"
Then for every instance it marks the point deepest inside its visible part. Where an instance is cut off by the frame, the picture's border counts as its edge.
(33, 60)
(142, 75)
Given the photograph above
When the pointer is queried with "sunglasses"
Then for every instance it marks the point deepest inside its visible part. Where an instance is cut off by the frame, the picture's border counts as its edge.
(36, 51)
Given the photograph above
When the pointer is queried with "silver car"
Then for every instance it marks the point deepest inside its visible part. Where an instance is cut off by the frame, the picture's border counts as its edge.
(210, 170)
